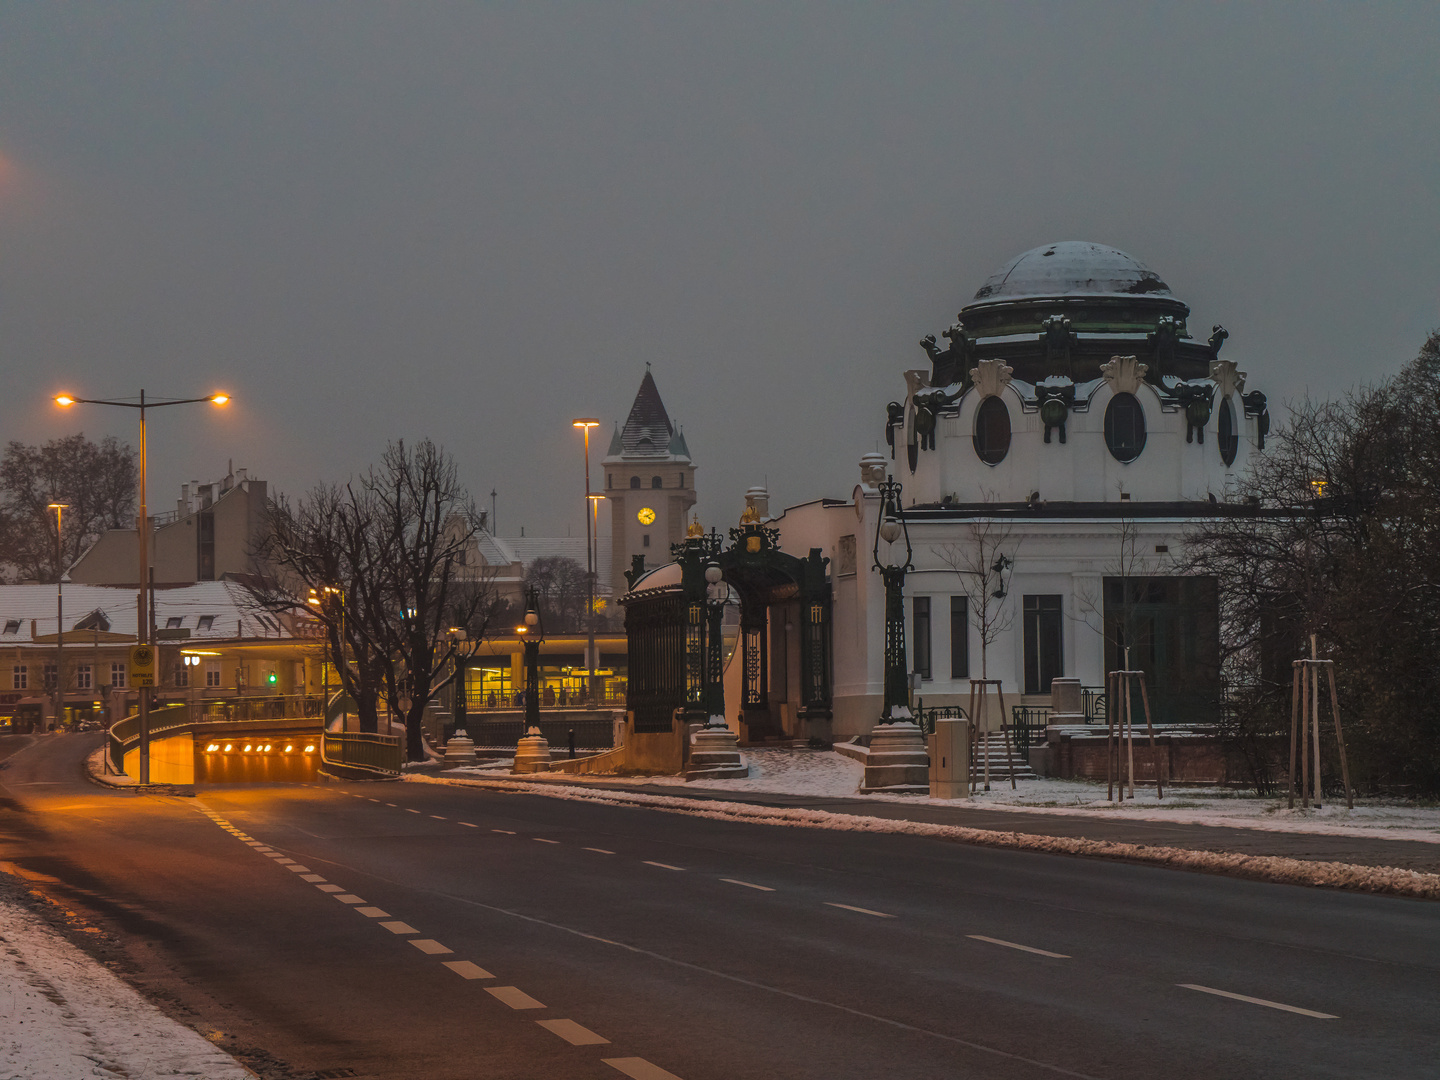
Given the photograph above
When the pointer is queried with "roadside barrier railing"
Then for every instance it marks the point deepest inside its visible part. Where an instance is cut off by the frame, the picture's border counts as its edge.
(379, 754)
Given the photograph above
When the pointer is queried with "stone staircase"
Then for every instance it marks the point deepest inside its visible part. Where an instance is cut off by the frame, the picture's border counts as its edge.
(992, 746)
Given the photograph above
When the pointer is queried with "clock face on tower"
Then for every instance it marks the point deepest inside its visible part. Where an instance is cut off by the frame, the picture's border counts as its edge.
(646, 516)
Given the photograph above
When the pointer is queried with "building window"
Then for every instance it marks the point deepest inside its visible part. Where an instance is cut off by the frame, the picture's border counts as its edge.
(635, 482)
(20, 677)
(655, 482)
(83, 678)
(212, 673)
(1044, 655)
(1229, 439)
(174, 622)
(645, 540)
(118, 675)
(206, 622)
(52, 676)
(920, 623)
(992, 431)
(182, 675)
(1125, 427)
(12, 626)
(682, 481)
(959, 637)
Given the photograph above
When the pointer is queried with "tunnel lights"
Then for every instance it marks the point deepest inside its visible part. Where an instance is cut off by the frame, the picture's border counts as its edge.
(227, 747)
(289, 749)
(212, 748)
(310, 749)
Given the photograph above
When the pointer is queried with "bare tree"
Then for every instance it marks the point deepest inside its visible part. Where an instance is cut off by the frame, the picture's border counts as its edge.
(563, 590)
(389, 549)
(97, 480)
(982, 563)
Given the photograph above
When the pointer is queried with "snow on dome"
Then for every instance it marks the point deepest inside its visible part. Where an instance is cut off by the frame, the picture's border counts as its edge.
(1071, 267)
(661, 576)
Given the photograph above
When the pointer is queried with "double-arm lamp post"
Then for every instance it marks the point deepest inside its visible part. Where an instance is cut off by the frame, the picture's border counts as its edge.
(592, 522)
(897, 760)
(143, 633)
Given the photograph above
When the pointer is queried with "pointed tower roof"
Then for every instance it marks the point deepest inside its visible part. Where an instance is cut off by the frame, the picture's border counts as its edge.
(616, 446)
(647, 429)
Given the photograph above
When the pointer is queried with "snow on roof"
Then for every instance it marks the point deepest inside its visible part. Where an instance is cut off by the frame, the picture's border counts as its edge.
(493, 550)
(529, 548)
(1072, 267)
(210, 609)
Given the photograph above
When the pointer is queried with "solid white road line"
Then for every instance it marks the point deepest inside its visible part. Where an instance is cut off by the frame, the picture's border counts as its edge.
(861, 910)
(542, 840)
(600, 850)
(373, 912)
(312, 878)
(747, 884)
(331, 888)
(430, 947)
(663, 865)
(398, 927)
(572, 1032)
(1259, 1001)
(639, 1069)
(1022, 948)
(514, 997)
(467, 969)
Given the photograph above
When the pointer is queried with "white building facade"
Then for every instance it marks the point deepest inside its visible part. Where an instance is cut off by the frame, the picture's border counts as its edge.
(1052, 458)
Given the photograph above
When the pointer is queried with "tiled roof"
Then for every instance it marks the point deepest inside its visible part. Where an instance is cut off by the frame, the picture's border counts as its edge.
(229, 605)
(647, 429)
(529, 548)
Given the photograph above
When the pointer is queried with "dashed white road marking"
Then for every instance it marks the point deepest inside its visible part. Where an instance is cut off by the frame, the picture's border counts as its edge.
(639, 1069)
(254, 843)
(312, 877)
(542, 840)
(284, 862)
(747, 884)
(411, 810)
(437, 817)
(296, 868)
(398, 927)
(467, 969)
(1022, 948)
(373, 912)
(662, 865)
(429, 946)
(1259, 1001)
(507, 832)
(572, 1032)
(861, 910)
(389, 804)
(349, 898)
(600, 850)
(467, 824)
(514, 997)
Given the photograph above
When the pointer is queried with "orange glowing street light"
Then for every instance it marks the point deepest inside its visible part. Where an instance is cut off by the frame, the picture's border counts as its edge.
(143, 633)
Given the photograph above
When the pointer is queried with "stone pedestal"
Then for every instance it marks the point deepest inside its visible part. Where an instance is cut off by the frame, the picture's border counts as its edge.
(715, 754)
(532, 754)
(897, 761)
(460, 750)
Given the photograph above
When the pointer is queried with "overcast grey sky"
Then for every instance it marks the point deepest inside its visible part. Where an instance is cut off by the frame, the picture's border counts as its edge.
(476, 222)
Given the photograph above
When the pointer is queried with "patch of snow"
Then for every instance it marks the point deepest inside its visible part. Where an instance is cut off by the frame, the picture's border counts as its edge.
(63, 1016)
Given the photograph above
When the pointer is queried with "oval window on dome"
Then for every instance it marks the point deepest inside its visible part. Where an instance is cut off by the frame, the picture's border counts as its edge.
(992, 431)
(1229, 433)
(1125, 427)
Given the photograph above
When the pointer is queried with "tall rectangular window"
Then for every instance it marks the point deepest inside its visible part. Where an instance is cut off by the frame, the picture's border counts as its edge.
(212, 673)
(83, 678)
(21, 676)
(959, 637)
(920, 646)
(182, 675)
(1044, 653)
(117, 675)
(52, 675)
(205, 547)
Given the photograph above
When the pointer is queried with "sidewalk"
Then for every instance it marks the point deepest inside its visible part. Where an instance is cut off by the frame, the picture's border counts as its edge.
(1188, 819)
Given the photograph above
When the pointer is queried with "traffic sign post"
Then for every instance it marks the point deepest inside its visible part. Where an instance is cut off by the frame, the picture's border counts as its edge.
(142, 665)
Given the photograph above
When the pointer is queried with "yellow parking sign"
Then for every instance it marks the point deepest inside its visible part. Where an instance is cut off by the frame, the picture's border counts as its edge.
(142, 665)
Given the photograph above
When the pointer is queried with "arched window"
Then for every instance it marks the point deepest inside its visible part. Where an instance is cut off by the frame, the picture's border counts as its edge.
(992, 431)
(1229, 439)
(634, 481)
(655, 482)
(1125, 427)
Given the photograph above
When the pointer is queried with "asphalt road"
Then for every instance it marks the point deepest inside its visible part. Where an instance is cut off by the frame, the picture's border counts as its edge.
(307, 924)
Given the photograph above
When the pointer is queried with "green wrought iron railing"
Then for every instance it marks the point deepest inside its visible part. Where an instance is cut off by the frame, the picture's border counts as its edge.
(379, 754)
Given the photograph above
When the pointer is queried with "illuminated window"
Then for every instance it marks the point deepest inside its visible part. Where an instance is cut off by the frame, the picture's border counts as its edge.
(992, 431)
(1124, 429)
(21, 677)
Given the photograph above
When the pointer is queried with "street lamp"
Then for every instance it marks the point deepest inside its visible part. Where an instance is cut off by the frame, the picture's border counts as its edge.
(897, 760)
(320, 599)
(532, 753)
(59, 509)
(143, 633)
(592, 508)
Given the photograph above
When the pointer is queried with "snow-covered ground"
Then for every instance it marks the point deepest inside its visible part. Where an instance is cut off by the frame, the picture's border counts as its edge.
(65, 1017)
(824, 773)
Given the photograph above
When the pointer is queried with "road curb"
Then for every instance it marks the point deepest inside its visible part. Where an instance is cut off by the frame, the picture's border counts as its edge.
(93, 770)
(1275, 869)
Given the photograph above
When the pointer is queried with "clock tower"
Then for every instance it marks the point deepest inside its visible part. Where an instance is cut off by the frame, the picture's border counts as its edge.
(649, 484)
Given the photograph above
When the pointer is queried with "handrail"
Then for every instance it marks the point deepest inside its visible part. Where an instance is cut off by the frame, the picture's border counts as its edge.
(363, 750)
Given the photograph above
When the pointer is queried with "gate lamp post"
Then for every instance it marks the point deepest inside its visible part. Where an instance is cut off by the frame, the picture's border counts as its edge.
(142, 633)
(532, 753)
(897, 761)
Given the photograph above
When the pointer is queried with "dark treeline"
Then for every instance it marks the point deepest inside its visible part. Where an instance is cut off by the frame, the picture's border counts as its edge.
(1345, 546)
